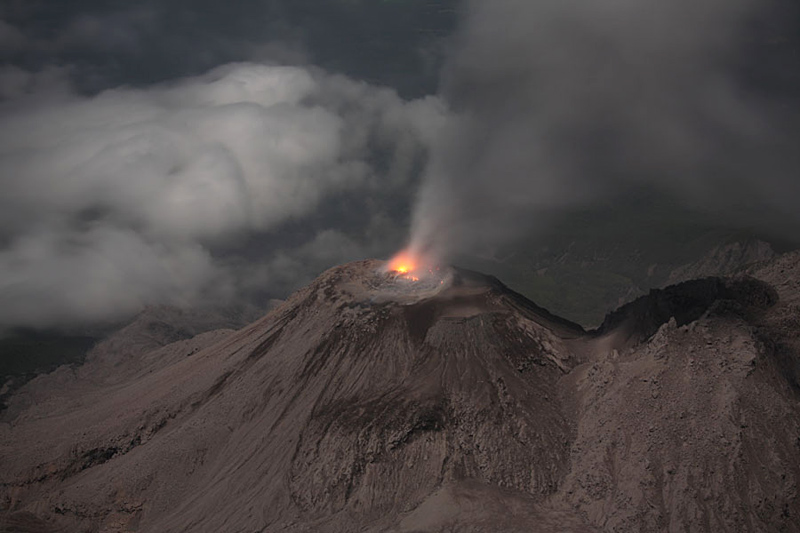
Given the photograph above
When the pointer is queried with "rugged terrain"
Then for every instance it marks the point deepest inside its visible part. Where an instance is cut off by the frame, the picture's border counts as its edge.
(466, 409)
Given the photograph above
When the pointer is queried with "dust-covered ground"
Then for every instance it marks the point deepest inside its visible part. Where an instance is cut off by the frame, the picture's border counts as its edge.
(466, 409)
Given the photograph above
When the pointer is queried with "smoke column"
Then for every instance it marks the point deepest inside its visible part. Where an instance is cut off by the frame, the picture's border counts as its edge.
(557, 103)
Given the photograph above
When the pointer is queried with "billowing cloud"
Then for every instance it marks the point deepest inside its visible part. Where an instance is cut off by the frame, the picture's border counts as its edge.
(135, 196)
(55, 278)
(561, 103)
(138, 171)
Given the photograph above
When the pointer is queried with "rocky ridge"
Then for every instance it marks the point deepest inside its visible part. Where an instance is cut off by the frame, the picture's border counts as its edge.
(471, 410)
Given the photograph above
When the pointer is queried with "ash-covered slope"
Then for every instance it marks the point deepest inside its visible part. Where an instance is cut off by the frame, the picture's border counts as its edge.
(361, 404)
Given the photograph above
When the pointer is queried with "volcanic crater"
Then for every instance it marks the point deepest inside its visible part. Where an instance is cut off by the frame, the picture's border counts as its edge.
(367, 402)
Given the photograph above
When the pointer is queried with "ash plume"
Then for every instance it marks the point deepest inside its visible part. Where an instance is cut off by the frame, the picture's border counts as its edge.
(557, 104)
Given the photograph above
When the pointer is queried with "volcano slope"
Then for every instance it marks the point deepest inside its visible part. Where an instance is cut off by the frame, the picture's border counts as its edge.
(467, 408)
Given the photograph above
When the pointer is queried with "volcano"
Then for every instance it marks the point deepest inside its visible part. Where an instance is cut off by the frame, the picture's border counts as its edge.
(371, 403)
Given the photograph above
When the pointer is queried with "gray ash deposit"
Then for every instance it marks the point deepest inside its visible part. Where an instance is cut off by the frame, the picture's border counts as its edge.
(368, 402)
(374, 283)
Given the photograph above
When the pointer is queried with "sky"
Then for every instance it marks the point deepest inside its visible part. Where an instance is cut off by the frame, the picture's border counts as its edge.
(202, 153)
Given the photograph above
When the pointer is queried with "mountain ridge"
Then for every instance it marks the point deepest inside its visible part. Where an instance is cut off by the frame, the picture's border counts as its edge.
(341, 410)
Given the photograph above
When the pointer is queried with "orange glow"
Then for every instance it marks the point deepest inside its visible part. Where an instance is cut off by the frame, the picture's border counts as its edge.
(404, 264)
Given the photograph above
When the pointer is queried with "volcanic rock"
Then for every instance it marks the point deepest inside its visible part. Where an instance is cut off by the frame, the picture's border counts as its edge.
(463, 407)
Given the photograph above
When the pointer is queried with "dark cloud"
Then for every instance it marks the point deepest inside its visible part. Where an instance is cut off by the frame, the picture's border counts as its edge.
(11, 38)
(562, 103)
(112, 43)
(183, 152)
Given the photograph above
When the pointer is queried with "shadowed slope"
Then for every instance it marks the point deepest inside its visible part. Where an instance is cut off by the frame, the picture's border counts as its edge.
(467, 408)
(330, 408)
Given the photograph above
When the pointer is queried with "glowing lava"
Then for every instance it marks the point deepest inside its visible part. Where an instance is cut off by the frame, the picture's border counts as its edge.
(409, 277)
(404, 264)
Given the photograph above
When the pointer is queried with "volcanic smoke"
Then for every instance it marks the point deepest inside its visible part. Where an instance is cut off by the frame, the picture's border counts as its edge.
(411, 265)
(574, 102)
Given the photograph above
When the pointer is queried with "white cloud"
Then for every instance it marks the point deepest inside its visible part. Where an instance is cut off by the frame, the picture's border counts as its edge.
(99, 275)
(141, 182)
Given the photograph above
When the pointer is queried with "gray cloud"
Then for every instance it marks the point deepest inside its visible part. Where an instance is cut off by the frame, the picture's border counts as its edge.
(386, 43)
(121, 132)
(138, 196)
(11, 38)
(562, 103)
(56, 278)
(137, 171)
